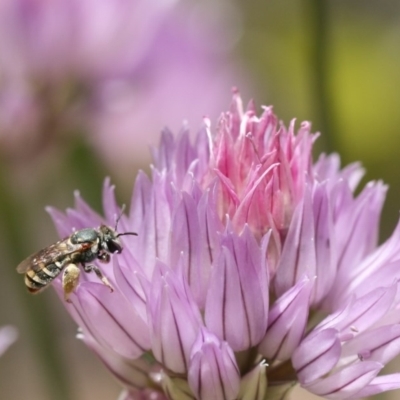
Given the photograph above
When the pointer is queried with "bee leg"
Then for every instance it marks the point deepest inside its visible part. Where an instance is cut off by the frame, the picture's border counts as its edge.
(104, 257)
(70, 280)
(99, 274)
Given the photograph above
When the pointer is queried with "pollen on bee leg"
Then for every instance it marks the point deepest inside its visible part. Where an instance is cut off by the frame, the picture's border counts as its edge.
(70, 280)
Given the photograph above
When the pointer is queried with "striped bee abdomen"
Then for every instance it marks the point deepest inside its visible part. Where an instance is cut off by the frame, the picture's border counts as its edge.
(37, 280)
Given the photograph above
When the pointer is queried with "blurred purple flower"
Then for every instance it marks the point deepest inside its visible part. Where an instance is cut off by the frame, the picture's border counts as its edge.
(69, 66)
(242, 241)
(8, 335)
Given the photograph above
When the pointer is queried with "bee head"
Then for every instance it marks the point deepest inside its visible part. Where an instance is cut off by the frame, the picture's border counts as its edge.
(110, 239)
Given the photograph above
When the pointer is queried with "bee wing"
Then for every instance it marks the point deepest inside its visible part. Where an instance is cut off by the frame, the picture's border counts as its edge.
(46, 256)
(27, 264)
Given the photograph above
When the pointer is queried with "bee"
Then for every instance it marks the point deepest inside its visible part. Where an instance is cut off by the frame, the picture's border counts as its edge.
(82, 247)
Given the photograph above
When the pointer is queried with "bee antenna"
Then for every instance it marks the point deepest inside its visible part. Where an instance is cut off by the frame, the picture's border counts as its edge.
(127, 233)
(116, 224)
(119, 216)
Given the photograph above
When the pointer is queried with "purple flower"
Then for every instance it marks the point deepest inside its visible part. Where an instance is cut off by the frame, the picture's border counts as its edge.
(8, 335)
(254, 269)
(213, 372)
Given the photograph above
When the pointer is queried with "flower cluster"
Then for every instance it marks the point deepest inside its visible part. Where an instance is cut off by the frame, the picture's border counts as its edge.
(254, 269)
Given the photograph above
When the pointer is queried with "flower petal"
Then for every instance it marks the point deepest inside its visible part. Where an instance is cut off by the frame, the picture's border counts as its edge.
(287, 321)
(186, 242)
(112, 320)
(381, 344)
(345, 382)
(325, 245)
(213, 373)
(133, 284)
(298, 256)
(174, 319)
(153, 240)
(378, 385)
(316, 355)
(134, 374)
(237, 302)
(362, 313)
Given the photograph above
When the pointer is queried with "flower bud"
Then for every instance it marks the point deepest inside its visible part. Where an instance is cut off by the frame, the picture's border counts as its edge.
(213, 372)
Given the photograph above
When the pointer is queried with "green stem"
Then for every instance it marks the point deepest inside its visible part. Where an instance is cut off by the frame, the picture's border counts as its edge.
(320, 67)
(37, 313)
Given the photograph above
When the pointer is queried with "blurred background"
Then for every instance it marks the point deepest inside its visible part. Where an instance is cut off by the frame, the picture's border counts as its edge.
(86, 86)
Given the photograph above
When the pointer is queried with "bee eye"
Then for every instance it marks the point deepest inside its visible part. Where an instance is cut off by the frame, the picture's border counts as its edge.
(114, 247)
